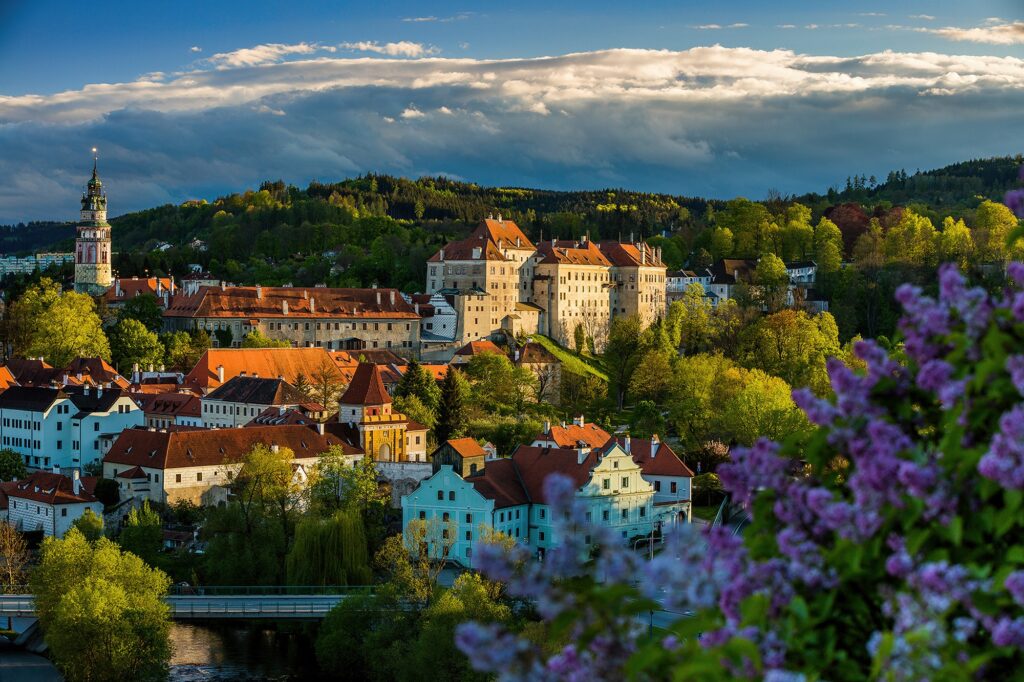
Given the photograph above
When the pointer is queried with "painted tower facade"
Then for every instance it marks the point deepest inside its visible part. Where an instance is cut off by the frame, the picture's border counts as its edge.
(92, 246)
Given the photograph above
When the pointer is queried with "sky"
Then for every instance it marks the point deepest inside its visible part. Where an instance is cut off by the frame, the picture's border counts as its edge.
(707, 98)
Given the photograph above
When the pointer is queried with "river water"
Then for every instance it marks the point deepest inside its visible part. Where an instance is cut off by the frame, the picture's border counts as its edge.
(230, 651)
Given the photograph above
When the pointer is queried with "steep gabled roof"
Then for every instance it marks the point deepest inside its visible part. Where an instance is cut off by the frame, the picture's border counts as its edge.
(572, 253)
(171, 404)
(478, 348)
(571, 435)
(500, 482)
(98, 370)
(467, 447)
(505, 233)
(31, 398)
(366, 388)
(130, 288)
(532, 353)
(535, 464)
(664, 463)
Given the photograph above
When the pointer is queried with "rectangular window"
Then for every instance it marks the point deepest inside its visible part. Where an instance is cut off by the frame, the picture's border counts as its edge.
(199, 476)
(625, 481)
(469, 535)
(469, 518)
(543, 513)
(673, 486)
(605, 515)
(440, 494)
(63, 511)
(625, 513)
(423, 515)
(657, 486)
(451, 495)
(517, 513)
(606, 483)
(177, 478)
(445, 517)
(96, 426)
(643, 512)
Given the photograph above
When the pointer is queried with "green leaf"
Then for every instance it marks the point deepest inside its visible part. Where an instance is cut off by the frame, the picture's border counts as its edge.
(956, 530)
(882, 655)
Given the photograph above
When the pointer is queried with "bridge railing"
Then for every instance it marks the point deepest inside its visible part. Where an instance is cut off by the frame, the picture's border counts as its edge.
(268, 590)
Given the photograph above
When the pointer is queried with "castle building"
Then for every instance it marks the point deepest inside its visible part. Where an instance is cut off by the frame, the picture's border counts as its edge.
(497, 279)
(92, 246)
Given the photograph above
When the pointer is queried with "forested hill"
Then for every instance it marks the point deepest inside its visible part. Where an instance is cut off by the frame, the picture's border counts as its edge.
(950, 190)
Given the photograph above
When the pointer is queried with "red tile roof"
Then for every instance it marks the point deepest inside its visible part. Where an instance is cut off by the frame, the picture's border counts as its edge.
(505, 233)
(491, 237)
(499, 481)
(269, 302)
(97, 370)
(478, 348)
(209, 447)
(366, 388)
(53, 489)
(134, 472)
(631, 255)
(130, 288)
(170, 404)
(533, 353)
(569, 435)
(287, 363)
(534, 465)
(6, 378)
(572, 253)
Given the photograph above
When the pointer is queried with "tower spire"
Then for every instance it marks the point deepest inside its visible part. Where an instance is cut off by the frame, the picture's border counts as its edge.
(95, 159)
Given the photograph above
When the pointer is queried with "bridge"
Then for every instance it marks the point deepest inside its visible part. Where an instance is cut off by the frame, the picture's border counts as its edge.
(192, 603)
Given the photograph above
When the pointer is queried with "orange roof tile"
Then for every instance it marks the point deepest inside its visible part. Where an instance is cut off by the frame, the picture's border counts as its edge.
(467, 447)
(572, 253)
(629, 255)
(288, 363)
(478, 348)
(130, 288)
(569, 435)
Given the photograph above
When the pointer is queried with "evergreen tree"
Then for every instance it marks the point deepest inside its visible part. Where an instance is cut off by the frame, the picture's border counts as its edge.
(451, 412)
(419, 383)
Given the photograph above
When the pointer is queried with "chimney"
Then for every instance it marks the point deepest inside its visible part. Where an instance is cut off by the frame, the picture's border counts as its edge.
(476, 252)
(441, 254)
(151, 368)
(499, 218)
(85, 390)
(99, 390)
(626, 445)
(274, 448)
(547, 426)
(284, 307)
(578, 420)
(223, 285)
(259, 292)
(312, 305)
(220, 373)
(162, 366)
(305, 294)
(654, 445)
(56, 469)
(242, 373)
(583, 239)
(159, 286)
(416, 307)
(378, 298)
(392, 297)
(76, 482)
(320, 428)
(515, 357)
(519, 241)
(78, 375)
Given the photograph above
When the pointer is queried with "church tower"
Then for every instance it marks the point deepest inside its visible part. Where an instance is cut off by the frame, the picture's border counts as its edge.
(92, 246)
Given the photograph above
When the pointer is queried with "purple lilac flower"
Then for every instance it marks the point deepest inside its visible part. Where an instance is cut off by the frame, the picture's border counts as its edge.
(1004, 462)
(1014, 584)
(1015, 366)
(818, 411)
(1008, 632)
(1015, 200)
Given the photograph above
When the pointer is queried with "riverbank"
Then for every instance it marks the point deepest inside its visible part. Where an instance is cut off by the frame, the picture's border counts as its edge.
(17, 665)
(233, 652)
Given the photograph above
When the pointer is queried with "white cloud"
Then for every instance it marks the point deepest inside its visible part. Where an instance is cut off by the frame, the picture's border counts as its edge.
(991, 33)
(718, 27)
(872, 14)
(402, 48)
(428, 19)
(419, 19)
(786, 26)
(262, 54)
(195, 48)
(811, 27)
(922, 17)
(657, 120)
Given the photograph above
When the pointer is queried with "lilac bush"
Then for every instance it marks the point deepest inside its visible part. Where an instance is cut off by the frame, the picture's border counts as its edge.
(887, 544)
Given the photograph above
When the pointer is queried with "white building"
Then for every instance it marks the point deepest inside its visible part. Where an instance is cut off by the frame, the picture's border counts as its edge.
(508, 496)
(199, 465)
(243, 398)
(63, 427)
(50, 502)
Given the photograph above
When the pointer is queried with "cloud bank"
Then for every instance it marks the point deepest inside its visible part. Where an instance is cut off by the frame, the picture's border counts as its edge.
(712, 121)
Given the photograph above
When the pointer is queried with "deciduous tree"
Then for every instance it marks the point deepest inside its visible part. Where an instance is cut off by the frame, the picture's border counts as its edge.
(12, 466)
(58, 326)
(131, 343)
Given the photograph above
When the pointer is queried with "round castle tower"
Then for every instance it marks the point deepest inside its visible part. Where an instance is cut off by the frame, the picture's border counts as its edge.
(92, 246)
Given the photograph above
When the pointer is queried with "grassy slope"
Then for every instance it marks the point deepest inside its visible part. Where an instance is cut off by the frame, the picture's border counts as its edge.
(572, 361)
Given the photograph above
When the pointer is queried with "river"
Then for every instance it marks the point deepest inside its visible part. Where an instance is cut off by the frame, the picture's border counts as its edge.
(229, 651)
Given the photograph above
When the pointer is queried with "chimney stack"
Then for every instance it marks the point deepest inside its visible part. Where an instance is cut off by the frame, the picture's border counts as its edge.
(312, 305)
(626, 447)
(416, 307)
(378, 298)
(99, 390)
(392, 297)
(547, 426)
(220, 373)
(284, 307)
(655, 443)
(578, 420)
(76, 481)
(259, 292)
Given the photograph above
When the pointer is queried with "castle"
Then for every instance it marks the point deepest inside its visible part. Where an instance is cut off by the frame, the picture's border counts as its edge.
(92, 245)
(497, 279)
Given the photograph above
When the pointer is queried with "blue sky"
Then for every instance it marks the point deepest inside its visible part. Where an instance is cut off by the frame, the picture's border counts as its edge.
(195, 99)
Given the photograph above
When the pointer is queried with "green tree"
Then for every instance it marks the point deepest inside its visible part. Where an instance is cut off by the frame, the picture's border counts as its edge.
(418, 382)
(772, 280)
(142, 534)
(12, 466)
(90, 525)
(758, 405)
(178, 350)
(452, 418)
(101, 611)
(622, 354)
(256, 339)
(956, 245)
(132, 343)
(14, 557)
(497, 385)
(579, 337)
(581, 393)
(412, 560)
(335, 484)
(690, 319)
(721, 245)
(58, 326)
(651, 377)
(330, 551)
(792, 345)
(413, 408)
(646, 420)
(993, 223)
(911, 241)
(145, 308)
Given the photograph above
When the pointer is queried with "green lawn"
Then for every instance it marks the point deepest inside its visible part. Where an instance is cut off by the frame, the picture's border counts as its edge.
(706, 513)
(572, 361)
